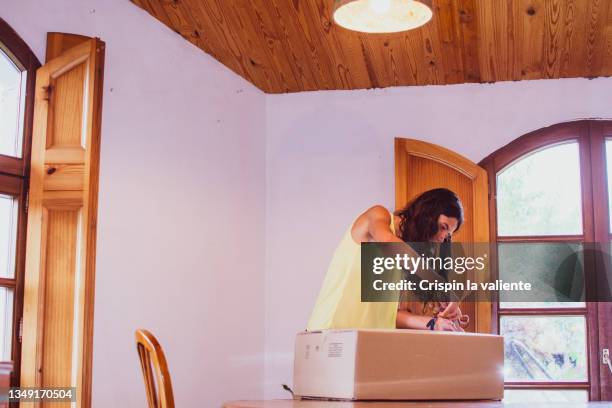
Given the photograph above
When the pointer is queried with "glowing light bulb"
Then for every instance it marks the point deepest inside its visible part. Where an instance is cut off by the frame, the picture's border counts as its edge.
(380, 6)
(381, 16)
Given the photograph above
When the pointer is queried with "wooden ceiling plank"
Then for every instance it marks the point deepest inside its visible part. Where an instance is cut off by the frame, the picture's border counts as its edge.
(494, 39)
(221, 15)
(260, 39)
(394, 61)
(243, 31)
(179, 18)
(205, 37)
(288, 29)
(468, 39)
(154, 8)
(573, 53)
(351, 65)
(414, 42)
(212, 41)
(554, 37)
(607, 57)
(345, 46)
(384, 56)
(368, 59)
(529, 21)
(388, 59)
(381, 55)
(191, 28)
(449, 32)
(286, 26)
(432, 50)
(432, 54)
(278, 47)
(412, 57)
(309, 18)
(597, 18)
(516, 24)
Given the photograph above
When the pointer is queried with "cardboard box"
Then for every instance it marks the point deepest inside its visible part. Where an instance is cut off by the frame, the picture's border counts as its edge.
(398, 365)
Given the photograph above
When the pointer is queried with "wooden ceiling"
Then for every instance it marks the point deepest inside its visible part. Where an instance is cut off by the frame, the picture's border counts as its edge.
(294, 45)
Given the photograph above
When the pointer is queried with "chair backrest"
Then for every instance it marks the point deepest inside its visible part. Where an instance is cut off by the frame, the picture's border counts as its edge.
(155, 370)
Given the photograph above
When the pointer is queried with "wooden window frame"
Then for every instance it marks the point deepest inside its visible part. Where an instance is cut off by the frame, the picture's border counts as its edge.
(14, 181)
(590, 135)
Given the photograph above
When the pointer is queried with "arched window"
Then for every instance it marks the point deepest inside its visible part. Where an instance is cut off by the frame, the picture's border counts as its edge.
(549, 201)
(17, 74)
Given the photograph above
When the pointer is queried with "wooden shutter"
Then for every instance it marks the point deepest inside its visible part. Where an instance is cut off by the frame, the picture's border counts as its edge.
(421, 166)
(60, 250)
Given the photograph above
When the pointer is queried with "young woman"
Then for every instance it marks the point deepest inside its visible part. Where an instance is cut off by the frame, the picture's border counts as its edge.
(431, 217)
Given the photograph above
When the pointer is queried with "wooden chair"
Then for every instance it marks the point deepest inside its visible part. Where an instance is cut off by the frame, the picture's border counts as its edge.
(155, 370)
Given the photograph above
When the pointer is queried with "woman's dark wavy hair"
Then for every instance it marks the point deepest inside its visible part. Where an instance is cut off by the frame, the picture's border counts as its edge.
(419, 223)
(419, 219)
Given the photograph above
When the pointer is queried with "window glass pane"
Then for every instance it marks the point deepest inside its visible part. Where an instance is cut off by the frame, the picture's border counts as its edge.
(8, 235)
(12, 84)
(540, 194)
(544, 348)
(554, 269)
(6, 323)
(546, 396)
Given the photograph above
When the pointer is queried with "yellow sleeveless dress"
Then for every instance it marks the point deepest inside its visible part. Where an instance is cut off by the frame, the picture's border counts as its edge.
(339, 303)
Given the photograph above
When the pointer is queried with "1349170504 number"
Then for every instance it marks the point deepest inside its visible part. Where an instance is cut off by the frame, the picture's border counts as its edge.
(33, 394)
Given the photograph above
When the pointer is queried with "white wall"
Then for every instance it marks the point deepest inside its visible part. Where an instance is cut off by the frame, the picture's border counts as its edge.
(330, 157)
(181, 194)
(194, 159)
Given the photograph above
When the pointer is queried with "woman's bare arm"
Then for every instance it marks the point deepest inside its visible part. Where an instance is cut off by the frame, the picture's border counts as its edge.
(375, 225)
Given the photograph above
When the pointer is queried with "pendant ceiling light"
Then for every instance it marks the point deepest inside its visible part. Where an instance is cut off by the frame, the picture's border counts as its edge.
(381, 16)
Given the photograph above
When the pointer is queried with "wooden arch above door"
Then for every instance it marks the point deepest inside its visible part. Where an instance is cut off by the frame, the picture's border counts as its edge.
(422, 166)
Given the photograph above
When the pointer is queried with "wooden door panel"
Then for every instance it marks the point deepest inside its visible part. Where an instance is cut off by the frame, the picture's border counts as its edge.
(421, 166)
(67, 89)
(60, 251)
(61, 270)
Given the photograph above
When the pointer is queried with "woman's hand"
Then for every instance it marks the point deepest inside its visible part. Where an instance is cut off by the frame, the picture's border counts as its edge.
(443, 324)
(450, 311)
